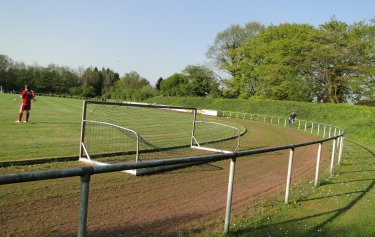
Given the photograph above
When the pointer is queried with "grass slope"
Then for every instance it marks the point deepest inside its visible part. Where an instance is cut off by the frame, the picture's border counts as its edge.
(357, 121)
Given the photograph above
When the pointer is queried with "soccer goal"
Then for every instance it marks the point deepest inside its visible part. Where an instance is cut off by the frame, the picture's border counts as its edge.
(127, 132)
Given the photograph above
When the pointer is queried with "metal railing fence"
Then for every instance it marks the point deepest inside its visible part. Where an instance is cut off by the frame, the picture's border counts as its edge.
(85, 173)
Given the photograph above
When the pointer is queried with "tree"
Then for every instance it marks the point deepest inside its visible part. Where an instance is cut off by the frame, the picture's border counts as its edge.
(158, 83)
(341, 62)
(193, 81)
(175, 85)
(202, 81)
(223, 51)
(273, 62)
(132, 87)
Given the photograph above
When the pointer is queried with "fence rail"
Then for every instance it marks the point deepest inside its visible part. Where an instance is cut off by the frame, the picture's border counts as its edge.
(86, 172)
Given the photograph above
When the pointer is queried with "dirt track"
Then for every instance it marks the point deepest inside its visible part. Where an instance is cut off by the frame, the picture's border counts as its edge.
(162, 204)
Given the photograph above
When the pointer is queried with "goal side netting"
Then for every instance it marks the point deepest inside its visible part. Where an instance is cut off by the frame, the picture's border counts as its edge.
(127, 132)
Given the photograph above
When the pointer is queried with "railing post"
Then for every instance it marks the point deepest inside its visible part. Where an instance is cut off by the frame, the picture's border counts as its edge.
(329, 133)
(83, 125)
(305, 126)
(340, 151)
(312, 127)
(229, 194)
(318, 130)
(318, 164)
(289, 177)
(324, 132)
(333, 156)
(85, 181)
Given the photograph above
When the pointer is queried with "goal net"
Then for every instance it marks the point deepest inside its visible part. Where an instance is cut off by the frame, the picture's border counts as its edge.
(127, 132)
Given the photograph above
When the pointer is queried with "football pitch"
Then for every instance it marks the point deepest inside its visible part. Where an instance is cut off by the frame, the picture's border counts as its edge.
(54, 128)
(121, 204)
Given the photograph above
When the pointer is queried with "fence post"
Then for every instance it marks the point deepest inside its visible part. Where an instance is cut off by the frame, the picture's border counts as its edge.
(318, 130)
(83, 125)
(324, 132)
(278, 121)
(85, 181)
(229, 195)
(312, 127)
(289, 177)
(329, 133)
(318, 164)
(299, 124)
(333, 156)
(305, 126)
(340, 151)
(284, 122)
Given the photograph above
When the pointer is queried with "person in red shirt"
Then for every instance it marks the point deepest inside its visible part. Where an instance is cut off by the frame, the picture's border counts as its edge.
(27, 95)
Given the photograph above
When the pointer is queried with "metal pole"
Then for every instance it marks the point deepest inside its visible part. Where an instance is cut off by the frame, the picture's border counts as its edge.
(229, 195)
(193, 129)
(333, 156)
(341, 148)
(85, 181)
(318, 164)
(289, 177)
(83, 125)
(318, 129)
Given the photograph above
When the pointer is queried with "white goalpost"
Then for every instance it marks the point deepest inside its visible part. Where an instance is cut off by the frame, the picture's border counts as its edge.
(127, 132)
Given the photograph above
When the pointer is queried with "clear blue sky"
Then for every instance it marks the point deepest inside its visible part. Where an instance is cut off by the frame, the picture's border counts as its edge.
(155, 38)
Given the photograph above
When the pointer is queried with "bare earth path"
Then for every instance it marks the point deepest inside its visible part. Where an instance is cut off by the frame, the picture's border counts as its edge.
(156, 205)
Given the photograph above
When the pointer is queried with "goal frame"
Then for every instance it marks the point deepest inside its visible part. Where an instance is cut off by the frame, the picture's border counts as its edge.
(193, 144)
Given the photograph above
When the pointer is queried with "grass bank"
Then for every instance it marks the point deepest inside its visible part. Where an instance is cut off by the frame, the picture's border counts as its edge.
(357, 121)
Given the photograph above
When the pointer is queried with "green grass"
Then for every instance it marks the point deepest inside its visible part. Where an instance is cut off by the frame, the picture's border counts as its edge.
(55, 125)
(53, 129)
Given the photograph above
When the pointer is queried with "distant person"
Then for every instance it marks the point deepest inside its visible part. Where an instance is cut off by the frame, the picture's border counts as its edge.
(27, 95)
(292, 117)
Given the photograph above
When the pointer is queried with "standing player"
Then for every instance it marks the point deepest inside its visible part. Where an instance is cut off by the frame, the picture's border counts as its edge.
(27, 95)
(292, 117)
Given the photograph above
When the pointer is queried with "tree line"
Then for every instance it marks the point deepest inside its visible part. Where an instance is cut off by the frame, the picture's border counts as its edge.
(334, 62)
(330, 63)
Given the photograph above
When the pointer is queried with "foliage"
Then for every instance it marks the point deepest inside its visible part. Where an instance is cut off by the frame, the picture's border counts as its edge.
(132, 87)
(331, 63)
(193, 81)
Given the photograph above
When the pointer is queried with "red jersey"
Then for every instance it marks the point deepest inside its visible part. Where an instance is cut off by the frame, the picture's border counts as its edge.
(27, 96)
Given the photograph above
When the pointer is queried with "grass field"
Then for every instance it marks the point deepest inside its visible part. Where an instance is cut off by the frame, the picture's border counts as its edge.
(342, 206)
(53, 129)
